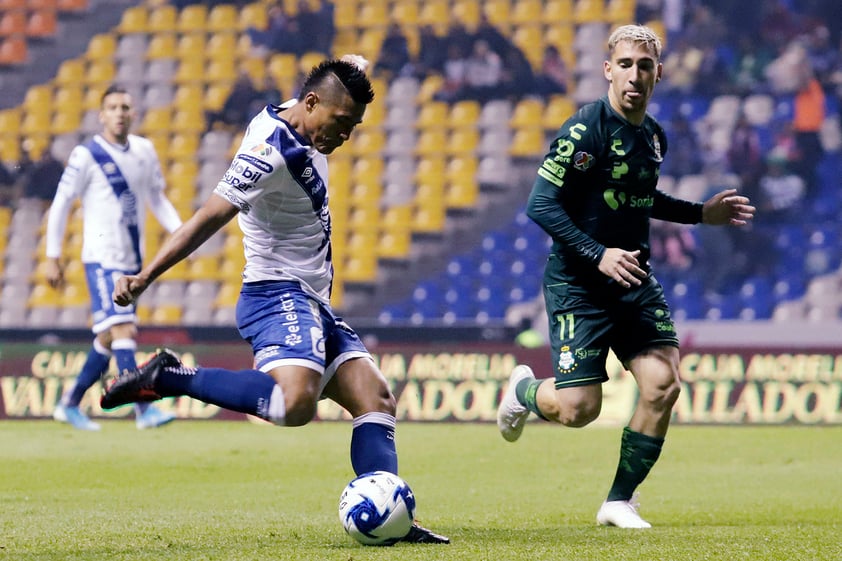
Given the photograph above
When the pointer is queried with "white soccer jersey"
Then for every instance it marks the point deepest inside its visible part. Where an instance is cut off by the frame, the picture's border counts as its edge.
(115, 184)
(279, 183)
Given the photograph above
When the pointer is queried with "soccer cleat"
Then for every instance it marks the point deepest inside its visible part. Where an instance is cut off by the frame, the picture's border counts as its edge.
(153, 418)
(139, 384)
(420, 534)
(75, 417)
(622, 514)
(511, 415)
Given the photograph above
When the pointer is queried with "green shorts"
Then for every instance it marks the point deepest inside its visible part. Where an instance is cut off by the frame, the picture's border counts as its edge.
(586, 323)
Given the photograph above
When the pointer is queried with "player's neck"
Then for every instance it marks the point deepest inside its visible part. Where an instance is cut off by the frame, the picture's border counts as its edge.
(122, 140)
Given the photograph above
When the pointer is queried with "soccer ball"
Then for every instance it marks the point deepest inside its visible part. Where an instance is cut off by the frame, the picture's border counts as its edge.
(377, 508)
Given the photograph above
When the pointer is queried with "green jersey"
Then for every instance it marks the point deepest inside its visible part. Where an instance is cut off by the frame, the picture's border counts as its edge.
(597, 188)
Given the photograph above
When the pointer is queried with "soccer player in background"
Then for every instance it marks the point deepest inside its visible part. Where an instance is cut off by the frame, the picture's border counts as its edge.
(116, 175)
(277, 186)
(594, 195)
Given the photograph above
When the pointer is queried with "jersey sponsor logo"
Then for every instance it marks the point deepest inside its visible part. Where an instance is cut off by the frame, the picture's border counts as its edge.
(614, 199)
(582, 160)
(261, 150)
(240, 173)
(566, 360)
(552, 172)
(256, 162)
(237, 202)
(641, 202)
(266, 353)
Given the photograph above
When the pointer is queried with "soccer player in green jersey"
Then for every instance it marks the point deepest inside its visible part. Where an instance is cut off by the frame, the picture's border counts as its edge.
(595, 194)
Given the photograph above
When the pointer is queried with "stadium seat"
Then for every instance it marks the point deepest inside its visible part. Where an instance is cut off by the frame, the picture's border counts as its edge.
(527, 113)
(464, 114)
(463, 141)
(162, 19)
(10, 122)
(72, 6)
(100, 72)
(192, 18)
(431, 142)
(191, 45)
(222, 46)
(12, 23)
(588, 11)
(405, 13)
(101, 46)
(222, 18)
(526, 12)
(65, 122)
(134, 20)
(13, 51)
(433, 115)
(497, 12)
(467, 12)
(41, 24)
(71, 72)
(372, 13)
(559, 109)
(435, 13)
(254, 16)
(528, 142)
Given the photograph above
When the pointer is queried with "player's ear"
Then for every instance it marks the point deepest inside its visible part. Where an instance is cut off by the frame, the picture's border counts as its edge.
(311, 100)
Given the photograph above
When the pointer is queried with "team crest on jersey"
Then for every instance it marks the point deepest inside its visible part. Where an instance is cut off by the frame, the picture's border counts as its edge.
(582, 160)
(261, 150)
(109, 168)
(566, 360)
(656, 144)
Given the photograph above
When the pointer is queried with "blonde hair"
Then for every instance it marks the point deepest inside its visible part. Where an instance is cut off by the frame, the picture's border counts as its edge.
(636, 34)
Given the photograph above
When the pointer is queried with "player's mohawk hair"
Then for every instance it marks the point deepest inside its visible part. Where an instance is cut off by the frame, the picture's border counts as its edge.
(636, 34)
(349, 70)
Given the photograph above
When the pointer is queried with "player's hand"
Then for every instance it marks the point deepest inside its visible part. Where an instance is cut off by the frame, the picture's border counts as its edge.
(622, 266)
(54, 272)
(726, 207)
(127, 289)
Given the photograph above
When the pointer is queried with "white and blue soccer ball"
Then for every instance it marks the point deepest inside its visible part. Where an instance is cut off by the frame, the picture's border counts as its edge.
(377, 508)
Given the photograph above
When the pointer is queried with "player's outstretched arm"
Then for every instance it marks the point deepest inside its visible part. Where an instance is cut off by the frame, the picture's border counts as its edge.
(726, 207)
(212, 216)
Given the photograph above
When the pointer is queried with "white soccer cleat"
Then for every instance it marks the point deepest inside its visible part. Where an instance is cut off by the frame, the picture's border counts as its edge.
(622, 514)
(511, 415)
(74, 417)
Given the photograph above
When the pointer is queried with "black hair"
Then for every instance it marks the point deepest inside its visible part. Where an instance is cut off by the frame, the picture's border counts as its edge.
(352, 78)
(112, 89)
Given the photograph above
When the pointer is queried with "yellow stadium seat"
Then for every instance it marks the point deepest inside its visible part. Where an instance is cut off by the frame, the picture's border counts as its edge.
(191, 45)
(588, 11)
(429, 219)
(191, 71)
(464, 114)
(255, 67)
(463, 141)
(10, 121)
(405, 13)
(183, 169)
(429, 87)
(222, 17)
(183, 145)
(619, 11)
(528, 113)
(10, 148)
(134, 20)
(215, 95)
(188, 120)
(462, 194)
(161, 141)
(530, 39)
(283, 65)
(431, 142)
(253, 15)
(162, 19)
(74, 294)
(466, 12)
(162, 45)
(43, 295)
(434, 12)
(557, 11)
(559, 109)
(431, 170)
(462, 168)
(367, 170)
(192, 18)
(396, 218)
(367, 142)
(373, 13)
(227, 296)
(168, 314)
(71, 72)
(100, 72)
(395, 244)
(35, 124)
(526, 12)
(156, 120)
(361, 267)
(337, 294)
(497, 12)
(561, 36)
(66, 98)
(345, 15)
(434, 114)
(101, 46)
(222, 46)
(221, 70)
(205, 267)
(188, 96)
(65, 122)
(528, 142)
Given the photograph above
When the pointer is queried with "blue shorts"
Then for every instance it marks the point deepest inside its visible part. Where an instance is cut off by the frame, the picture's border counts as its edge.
(286, 326)
(106, 313)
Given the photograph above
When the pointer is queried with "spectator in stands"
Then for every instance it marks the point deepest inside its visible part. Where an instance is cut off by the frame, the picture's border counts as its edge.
(41, 182)
(779, 25)
(8, 181)
(267, 94)
(316, 26)
(455, 66)
(483, 74)
(744, 156)
(237, 109)
(785, 72)
(673, 247)
(264, 40)
(685, 151)
(518, 80)
(493, 37)
(807, 120)
(747, 74)
(553, 76)
(432, 52)
(781, 192)
(394, 57)
(822, 56)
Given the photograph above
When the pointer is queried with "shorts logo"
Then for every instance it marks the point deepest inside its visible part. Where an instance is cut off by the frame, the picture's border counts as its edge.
(582, 161)
(566, 361)
(266, 353)
(289, 319)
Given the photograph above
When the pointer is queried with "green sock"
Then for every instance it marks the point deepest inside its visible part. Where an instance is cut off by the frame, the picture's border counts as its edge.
(638, 453)
(526, 391)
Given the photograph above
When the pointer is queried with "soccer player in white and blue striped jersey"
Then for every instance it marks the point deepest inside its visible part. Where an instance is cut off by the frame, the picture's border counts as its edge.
(277, 186)
(116, 175)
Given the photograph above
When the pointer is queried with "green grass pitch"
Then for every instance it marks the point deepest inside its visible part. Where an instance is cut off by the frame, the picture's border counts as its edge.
(235, 491)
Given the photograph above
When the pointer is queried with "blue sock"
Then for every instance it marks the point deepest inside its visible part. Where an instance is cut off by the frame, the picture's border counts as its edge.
(245, 391)
(95, 365)
(124, 350)
(373, 444)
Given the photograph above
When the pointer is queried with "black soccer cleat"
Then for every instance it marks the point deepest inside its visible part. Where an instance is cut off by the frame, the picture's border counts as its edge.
(419, 534)
(139, 384)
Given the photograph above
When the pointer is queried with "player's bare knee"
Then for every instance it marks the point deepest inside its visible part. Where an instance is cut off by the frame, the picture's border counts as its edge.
(299, 413)
(578, 417)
